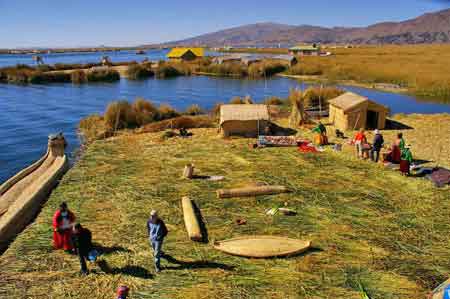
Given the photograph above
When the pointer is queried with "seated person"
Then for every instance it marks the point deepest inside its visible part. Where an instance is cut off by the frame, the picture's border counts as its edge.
(184, 132)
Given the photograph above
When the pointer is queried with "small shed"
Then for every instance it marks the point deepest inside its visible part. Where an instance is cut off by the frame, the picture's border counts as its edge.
(305, 50)
(247, 120)
(185, 54)
(351, 111)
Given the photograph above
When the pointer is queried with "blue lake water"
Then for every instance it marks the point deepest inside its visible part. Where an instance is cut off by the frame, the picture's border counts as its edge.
(85, 57)
(29, 113)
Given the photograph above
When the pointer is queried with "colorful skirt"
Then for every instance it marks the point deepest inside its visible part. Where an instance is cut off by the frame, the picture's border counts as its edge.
(404, 166)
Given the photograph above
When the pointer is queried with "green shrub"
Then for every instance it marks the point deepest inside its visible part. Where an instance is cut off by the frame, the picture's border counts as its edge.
(78, 77)
(166, 112)
(92, 128)
(167, 71)
(103, 75)
(303, 69)
(316, 96)
(42, 78)
(276, 101)
(44, 68)
(187, 122)
(119, 115)
(265, 69)
(145, 112)
(194, 110)
(136, 72)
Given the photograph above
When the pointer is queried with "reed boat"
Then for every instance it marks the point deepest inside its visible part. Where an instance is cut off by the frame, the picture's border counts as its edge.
(22, 195)
(262, 246)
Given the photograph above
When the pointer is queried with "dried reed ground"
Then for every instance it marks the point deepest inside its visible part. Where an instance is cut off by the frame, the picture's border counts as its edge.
(371, 224)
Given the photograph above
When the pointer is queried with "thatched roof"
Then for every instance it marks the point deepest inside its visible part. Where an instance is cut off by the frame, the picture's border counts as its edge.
(243, 112)
(179, 52)
(348, 100)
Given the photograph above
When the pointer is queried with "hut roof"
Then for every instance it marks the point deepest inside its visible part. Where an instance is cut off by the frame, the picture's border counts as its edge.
(348, 101)
(243, 112)
(179, 52)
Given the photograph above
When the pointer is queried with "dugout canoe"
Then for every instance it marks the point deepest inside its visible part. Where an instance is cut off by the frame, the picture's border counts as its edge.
(262, 246)
(190, 219)
(22, 195)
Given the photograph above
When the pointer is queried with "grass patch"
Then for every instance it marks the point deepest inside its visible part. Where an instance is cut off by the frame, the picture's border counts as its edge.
(138, 72)
(374, 227)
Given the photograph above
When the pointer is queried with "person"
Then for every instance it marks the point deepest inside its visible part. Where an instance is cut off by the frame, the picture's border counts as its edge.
(184, 132)
(268, 131)
(359, 141)
(321, 134)
(157, 231)
(406, 160)
(122, 292)
(63, 220)
(397, 148)
(82, 241)
(378, 142)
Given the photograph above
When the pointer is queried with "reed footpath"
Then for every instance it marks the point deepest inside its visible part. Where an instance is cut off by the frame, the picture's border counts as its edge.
(369, 225)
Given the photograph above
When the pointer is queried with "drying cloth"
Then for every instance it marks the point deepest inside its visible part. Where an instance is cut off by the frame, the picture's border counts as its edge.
(277, 141)
(306, 147)
(440, 177)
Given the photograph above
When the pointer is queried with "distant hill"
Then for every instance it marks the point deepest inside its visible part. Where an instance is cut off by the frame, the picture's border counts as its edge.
(428, 28)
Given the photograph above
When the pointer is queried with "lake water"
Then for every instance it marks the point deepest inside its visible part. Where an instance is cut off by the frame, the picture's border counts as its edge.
(85, 57)
(29, 113)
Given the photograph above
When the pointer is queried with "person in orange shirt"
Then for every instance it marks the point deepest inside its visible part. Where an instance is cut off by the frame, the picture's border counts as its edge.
(359, 140)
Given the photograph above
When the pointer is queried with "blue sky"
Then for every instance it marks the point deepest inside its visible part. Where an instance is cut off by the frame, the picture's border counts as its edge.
(73, 23)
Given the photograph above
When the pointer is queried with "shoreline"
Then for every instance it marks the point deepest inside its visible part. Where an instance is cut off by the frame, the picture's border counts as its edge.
(385, 87)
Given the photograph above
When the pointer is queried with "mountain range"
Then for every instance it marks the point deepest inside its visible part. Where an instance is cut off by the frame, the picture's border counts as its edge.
(425, 29)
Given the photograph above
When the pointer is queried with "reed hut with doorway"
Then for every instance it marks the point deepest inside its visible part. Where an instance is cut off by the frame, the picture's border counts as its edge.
(351, 111)
(248, 120)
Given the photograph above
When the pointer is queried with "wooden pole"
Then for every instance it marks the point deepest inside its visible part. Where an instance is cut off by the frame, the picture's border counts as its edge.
(188, 171)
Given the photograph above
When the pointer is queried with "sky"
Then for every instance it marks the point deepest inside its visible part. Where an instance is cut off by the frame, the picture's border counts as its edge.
(77, 23)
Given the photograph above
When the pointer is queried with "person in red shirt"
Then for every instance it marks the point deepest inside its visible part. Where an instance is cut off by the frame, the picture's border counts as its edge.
(63, 221)
(359, 140)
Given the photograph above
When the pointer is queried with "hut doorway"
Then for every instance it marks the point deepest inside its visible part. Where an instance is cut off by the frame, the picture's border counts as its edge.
(372, 119)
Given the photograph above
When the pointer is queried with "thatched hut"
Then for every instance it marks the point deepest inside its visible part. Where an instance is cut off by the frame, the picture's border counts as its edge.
(185, 54)
(244, 119)
(351, 111)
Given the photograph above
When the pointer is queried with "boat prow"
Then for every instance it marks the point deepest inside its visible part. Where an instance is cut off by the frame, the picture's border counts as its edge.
(22, 195)
(262, 246)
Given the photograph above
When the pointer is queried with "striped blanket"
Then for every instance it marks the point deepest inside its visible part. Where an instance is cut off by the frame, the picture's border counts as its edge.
(277, 141)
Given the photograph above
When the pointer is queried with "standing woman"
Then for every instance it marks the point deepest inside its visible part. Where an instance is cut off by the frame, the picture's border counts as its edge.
(63, 221)
(397, 148)
(359, 140)
(406, 160)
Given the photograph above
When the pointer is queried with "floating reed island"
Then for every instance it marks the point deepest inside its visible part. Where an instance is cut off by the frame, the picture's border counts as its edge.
(369, 225)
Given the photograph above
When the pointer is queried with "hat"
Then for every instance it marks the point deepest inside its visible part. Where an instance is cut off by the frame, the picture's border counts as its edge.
(153, 213)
